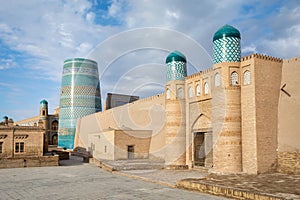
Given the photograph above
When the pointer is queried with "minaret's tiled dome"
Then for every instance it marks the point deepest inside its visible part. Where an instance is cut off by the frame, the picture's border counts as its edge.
(227, 47)
(175, 56)
(43, 102)
(176, 66)
(227, 31)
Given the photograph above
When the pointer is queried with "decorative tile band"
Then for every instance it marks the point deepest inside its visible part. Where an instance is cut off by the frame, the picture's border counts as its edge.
(227, 49)
(176, 70)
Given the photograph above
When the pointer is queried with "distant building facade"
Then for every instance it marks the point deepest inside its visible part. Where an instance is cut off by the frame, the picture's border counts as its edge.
(45, 120)
(241, 115)
(23, 146)
(115, 100)
(17, 141)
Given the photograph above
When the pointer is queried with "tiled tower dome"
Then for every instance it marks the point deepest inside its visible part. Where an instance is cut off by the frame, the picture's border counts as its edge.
(44, 103)
(176, 66)
(227, 46)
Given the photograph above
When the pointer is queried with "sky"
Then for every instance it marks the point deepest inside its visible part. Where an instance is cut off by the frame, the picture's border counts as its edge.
(129, 39)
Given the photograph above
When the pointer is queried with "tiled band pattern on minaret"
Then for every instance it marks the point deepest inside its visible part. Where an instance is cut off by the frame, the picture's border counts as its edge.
(176, 66)
(80, 96)
(227, 46)
(176, 70)
(227, 49)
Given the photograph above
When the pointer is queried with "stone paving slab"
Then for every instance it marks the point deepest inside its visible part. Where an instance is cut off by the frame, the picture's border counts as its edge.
(167, 177)
(277, 186)
(77, 180)
(263, 186)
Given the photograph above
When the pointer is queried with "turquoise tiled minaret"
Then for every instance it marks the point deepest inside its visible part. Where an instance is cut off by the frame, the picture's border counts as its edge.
(176, 66)
(227, 46)
(80, 96)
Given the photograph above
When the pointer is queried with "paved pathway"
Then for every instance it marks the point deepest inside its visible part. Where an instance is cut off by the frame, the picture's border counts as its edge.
(82, 181)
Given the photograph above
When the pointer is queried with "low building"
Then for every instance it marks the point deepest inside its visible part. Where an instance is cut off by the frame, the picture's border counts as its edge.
(18, 141)
(115, 100)
(23, 146)
(120, 144)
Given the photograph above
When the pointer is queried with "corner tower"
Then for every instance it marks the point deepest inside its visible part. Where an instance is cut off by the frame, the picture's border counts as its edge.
(226, 101)
(175, 111)
(80, 96)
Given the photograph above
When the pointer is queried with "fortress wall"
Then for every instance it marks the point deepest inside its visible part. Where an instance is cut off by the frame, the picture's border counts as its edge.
(144, 114)
(198, 118)
(248, 113)
(267, 90)
(288, 118)
(226, 121)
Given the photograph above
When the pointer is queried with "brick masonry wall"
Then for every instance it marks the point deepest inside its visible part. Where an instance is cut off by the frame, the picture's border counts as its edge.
(267, 89)
(226, 122)
(289, 162)
(33, 138)
(248, 111)
(139, 139)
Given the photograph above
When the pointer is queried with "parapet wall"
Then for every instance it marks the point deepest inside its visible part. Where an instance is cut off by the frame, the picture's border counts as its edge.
(261, 56)
(41, 161)
(200, 74)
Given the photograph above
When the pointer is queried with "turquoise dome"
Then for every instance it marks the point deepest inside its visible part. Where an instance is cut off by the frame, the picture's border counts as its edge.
(44, 102)
(227, 31)
(5, 117)
(175, 56)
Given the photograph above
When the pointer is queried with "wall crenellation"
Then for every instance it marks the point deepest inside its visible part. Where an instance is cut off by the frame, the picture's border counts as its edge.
(201, 73)
(261, 56)
(294, 60)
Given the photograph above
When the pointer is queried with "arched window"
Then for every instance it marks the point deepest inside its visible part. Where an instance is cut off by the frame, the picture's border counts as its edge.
(198, 90)
(217, 80)
(168, 94)
(234, 78)
(180, 93)
(247, 77)
(191, 92)
(54, 125)
(206, 88)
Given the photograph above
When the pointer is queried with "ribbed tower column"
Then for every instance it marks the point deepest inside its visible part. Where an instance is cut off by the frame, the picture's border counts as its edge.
(175, 111)
(80, 96)
(226, 101)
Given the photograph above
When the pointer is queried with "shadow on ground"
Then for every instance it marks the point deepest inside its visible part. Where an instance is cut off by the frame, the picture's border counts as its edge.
(72, 161)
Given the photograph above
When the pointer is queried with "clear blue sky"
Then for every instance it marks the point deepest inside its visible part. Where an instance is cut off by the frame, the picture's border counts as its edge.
(36, 36)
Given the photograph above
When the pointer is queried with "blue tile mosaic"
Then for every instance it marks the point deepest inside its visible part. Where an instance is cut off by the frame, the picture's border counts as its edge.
(227, 46)
(80, 96)
(176, 66)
